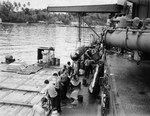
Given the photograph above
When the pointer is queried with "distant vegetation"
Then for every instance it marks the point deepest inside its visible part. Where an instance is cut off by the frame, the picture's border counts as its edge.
(21, 13)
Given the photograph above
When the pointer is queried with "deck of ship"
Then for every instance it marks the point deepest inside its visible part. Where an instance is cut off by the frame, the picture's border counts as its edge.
(18, 93)
(131, 86)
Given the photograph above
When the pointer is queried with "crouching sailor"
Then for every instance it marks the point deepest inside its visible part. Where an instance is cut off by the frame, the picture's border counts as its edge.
(52, 94)
(42, 108)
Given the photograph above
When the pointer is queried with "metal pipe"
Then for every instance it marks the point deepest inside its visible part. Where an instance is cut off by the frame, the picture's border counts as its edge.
(137, 40)
(15, 103)
(23, 90)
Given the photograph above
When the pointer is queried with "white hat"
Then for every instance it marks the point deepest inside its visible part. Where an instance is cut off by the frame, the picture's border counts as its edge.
(74, 82)
(55, 113)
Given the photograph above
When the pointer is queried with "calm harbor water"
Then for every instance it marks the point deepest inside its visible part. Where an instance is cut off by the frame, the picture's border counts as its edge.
(22, 40)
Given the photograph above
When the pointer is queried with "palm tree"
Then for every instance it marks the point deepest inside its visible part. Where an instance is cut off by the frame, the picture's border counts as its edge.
(24, 5)
(19, 4)
(28, 3)
(16, 6)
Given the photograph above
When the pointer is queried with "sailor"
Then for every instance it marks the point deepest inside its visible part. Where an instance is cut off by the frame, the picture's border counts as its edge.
(52, 93)
(63, 69)
(64, 83)
(75, 82)
(88, 67)
(108, 22)
(58, 81)
(69, 68)
(88, 53)
(135, 23)
(122, 22)
(75, 68)
(42, 108)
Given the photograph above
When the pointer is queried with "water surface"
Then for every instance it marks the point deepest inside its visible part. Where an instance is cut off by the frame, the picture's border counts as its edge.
(22, 41)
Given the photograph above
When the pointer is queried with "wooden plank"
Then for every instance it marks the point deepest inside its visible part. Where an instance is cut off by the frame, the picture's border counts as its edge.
(30, 113)
(2, 93)
(3, 65)
(8, 75)
(36, 99)
(42, 77)
(35, 82)
(21, 76)
(1, 105)
(2, 78)
(11, 85)
(49, 71)
(31, 88)
(22, 111)
(8, 109)
(110, 8)
(23, 90)
(16, 104)
(17, 86)
(28, 100)
(17, 96)
(13, 80)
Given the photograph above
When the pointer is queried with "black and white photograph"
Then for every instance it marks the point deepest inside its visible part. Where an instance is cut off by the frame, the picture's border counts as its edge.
(74, 57)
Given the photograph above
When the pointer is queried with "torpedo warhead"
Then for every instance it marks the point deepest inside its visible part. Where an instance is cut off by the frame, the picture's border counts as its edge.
(74, 56)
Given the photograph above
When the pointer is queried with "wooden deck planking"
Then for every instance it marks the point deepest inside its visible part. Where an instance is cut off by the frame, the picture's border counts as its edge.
(36, 99)
(13, 80)
(11, 85)
(33, 82)
(14, 88)
(13, 75)
(32, 88)
(3, 66)
(8, 74)
(30, 113)
(41, 77)
(8, 110)
(2, 78)
(17, 96)
(49, 71)
(23, 112)
(2, 93)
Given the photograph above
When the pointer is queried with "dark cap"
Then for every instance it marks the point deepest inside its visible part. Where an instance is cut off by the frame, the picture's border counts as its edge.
(46, 81)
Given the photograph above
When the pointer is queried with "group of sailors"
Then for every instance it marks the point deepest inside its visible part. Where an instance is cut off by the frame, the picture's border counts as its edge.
(65, 81)
(55, 91)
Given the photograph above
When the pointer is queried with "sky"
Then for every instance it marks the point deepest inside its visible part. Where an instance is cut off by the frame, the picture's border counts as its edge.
(40, 4)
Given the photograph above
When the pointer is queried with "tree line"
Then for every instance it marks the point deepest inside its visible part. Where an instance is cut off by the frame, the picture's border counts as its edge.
(20, 13)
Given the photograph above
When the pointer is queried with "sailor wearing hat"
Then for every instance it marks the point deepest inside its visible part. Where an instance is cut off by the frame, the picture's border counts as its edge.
(52, 93)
